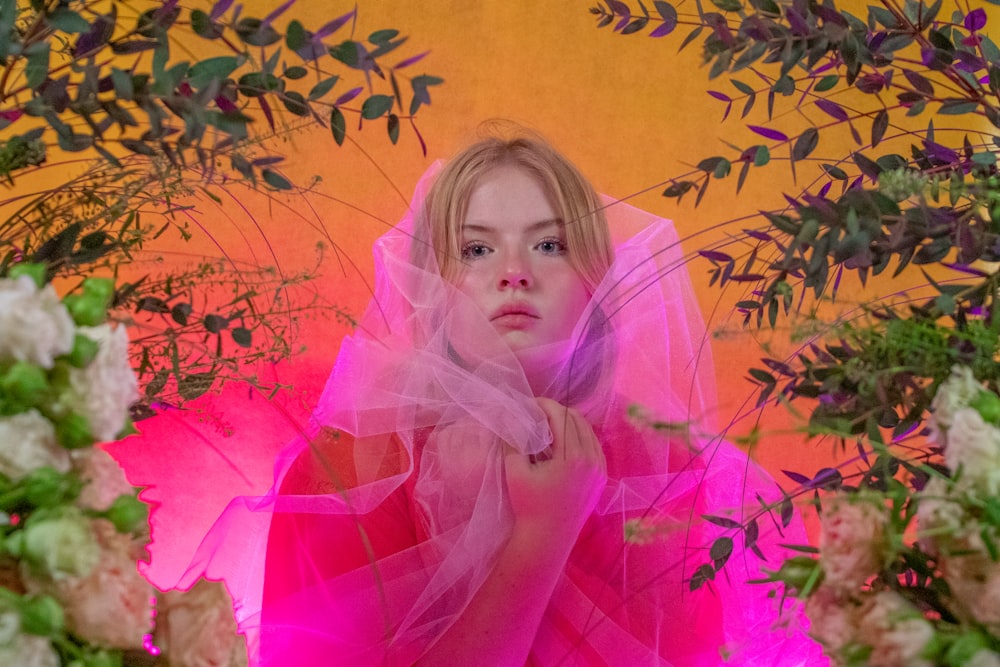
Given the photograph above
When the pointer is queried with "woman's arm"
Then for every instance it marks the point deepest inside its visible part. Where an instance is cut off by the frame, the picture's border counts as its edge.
(551, 501)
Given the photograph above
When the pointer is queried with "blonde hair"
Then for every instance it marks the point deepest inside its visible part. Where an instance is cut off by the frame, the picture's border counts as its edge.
(588, 239)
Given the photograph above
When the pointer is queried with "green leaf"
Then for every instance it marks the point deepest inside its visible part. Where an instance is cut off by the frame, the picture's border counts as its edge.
(393, 128)
(296, 72)
(742, 87)
(276, 180)
(323, 87)
(67, 20)
(375, 106)
(761, 156)
(295, 103)
(985, 159)
(180, 313)
(216, 323)
(123, 84)
(835, 172)
(957, 107)
(805, 144)
(720, 550)
(204, 26)
(383, 36)
(36, 70)
(728, 5)
(826, 83)
(242, 337)
(296, 36)
(219, 68)
(338, 125)
(194, 385)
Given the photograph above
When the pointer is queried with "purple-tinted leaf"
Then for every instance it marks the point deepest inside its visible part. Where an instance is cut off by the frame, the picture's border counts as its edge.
(669, 16)
(334, 25)
(768, 133)
(879, 126)
(411, 60)
(225, 104)
(779, 367)
(9, 116)
(220, 8)
(620, 8)
(827, 478)
(746, 277)
(832, 109)
(796, 477)
(725, 522)
(756, 234)
(720, 96)
(97, 36)
(348, 96)
(266, 109)
(715, 255)
(870, 83)
(805, 144)
(823, 191)
(796, 22)
(281, 9)
(919, 82)
(975, 20)
(969, 62)
(939, 153)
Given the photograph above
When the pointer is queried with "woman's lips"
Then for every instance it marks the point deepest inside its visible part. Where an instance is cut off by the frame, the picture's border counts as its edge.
(514, 316)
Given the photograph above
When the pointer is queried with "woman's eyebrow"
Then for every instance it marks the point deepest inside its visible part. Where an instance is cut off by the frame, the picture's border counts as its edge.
(533, 227)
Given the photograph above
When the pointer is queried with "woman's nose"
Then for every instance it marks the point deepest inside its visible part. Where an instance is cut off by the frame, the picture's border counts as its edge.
(516, 274)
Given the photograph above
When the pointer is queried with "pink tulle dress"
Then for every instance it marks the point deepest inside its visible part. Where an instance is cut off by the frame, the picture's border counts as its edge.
(364, 538)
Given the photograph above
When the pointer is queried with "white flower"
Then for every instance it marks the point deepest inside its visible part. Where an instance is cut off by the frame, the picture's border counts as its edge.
(103, 391)
(852, 540)
(34, 324)
(953, 395)
(832, 619)
(103, 477)
(974, 579)
(196, 628)
(60, 546)
(29, 651)
(110, 606)
(28, 441)
(974, 446)
(895, 630)
(984, 658)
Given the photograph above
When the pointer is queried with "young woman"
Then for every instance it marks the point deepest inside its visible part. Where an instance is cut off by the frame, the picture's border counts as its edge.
(474, 471)
(481, 484)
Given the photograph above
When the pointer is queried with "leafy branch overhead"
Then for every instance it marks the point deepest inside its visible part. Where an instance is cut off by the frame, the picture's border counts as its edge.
(899, 199)
(93, 80)
(115, 126)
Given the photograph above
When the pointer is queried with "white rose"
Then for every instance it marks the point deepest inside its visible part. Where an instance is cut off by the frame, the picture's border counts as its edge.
(832, 619)
(60, 546)
(34, 324)
(110, 606)
(895, 630)
(29, 651)
(103, 478)
(197, 629)
(974, 446)
(28, 441)
(984, 658)
(852, 540)
(974, 579)
(953, 394)
(103, 391)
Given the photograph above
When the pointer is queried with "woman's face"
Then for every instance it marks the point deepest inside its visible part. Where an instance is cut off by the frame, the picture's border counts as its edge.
(515, 264)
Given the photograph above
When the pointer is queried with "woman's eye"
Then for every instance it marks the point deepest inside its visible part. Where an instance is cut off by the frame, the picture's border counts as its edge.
(552, 246)
(473, 250)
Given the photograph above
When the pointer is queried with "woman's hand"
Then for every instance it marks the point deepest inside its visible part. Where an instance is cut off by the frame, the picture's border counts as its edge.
(558, 494)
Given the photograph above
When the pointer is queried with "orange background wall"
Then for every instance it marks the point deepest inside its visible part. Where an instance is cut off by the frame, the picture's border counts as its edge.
(630, 111)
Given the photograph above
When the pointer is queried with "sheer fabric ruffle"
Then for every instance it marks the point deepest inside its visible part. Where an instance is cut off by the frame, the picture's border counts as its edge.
(384, 517)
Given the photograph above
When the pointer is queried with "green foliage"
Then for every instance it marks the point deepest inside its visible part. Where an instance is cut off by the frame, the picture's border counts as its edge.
(84, 83)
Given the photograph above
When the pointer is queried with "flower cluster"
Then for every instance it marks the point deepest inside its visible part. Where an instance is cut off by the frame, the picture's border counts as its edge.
(889, 592)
